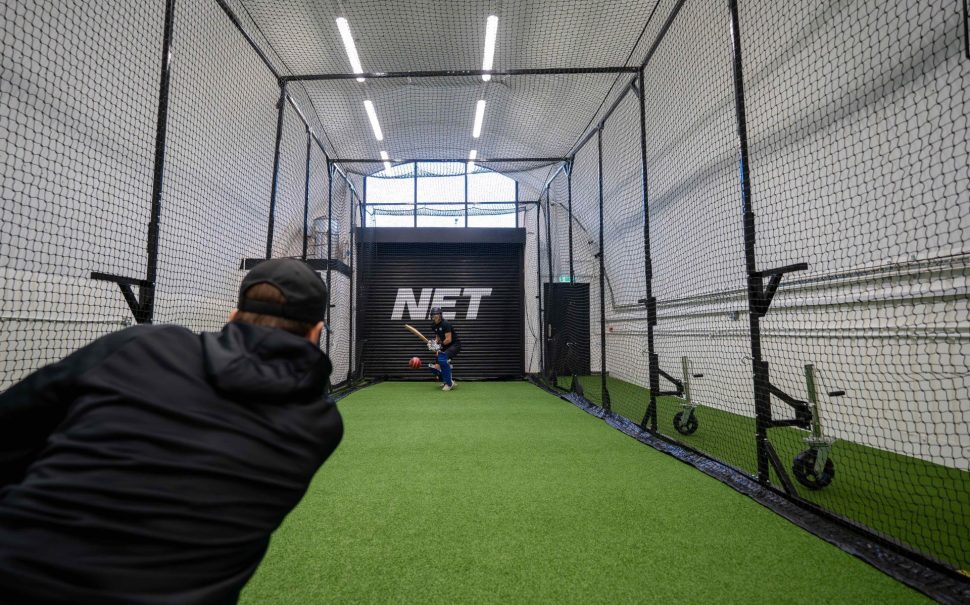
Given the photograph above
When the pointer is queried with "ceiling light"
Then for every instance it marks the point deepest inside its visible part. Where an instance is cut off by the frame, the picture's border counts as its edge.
(479, 116)
(348, 39)
(374, 124)
(387, 164)
(471, 159)
(491, 29)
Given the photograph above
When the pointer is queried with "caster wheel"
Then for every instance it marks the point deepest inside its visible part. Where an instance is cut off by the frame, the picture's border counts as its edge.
(804, 469)
(686, 428)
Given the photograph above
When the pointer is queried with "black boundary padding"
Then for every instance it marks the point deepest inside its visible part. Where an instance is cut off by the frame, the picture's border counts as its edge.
(342, 389)
(929, 577)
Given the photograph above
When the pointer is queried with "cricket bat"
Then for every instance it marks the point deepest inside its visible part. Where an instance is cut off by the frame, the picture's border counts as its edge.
(416, 332)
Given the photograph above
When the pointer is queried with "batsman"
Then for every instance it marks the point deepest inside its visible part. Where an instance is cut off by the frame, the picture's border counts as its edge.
(445, 346)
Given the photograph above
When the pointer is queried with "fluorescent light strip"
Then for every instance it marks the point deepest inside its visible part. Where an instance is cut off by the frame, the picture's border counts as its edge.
(491, 29)
(387, 165)
(479, 117)
(348, 39)
(471, 159)
(374, 124)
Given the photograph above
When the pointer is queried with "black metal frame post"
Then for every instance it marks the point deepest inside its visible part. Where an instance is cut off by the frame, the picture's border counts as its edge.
(306, 194)
(541, 336)
(463, 73)
(569, 196)
(330, 172)
(650, 417)
(143, 306)
(363, 205)
(517, 205)
(414, 175)
(605, 393)
(550, 372)
(274, 190)
(350, 325)
(466, 194)
(759, 295)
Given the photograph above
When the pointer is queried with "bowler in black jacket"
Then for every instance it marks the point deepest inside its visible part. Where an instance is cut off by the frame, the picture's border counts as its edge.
(151, 466)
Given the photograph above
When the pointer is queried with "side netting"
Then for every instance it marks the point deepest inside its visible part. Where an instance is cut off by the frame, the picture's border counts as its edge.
(804, 244)
(218, 168)
(137, 189)
(861, 168)
(77, 152)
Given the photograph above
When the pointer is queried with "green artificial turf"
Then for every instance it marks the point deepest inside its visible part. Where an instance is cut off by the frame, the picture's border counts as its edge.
(500, 492)
(922, 505)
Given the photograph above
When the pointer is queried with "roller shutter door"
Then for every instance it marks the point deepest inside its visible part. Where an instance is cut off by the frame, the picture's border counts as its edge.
(479, 286)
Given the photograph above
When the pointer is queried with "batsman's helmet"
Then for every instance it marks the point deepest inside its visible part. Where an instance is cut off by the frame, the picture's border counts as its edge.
(435, 311)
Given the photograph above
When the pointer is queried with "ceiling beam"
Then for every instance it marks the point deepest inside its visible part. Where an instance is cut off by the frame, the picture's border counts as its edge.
(464, 73)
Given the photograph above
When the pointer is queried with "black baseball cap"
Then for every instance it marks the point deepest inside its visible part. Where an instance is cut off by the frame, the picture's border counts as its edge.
(305, 293)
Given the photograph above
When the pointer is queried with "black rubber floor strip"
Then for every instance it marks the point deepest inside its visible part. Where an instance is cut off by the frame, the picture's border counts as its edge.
(932, 579)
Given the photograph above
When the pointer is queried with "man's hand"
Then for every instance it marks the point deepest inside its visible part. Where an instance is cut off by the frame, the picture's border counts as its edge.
(433, 346)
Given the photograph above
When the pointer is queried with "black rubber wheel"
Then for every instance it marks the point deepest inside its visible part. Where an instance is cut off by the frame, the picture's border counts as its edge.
(685, 428)
(804, 469)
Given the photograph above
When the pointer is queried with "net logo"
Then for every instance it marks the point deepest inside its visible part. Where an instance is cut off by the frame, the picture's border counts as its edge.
(417, 307)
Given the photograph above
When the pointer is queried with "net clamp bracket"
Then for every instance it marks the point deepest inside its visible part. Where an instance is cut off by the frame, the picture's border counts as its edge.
(141, 305)
(765, 294)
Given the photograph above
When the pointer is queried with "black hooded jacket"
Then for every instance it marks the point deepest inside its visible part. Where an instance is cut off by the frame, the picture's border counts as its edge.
(151, 466)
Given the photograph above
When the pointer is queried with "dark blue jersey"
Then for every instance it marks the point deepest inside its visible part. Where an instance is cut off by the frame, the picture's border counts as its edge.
(443, 328)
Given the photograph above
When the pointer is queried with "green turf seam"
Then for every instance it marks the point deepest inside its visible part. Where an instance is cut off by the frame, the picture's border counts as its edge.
(920, 573)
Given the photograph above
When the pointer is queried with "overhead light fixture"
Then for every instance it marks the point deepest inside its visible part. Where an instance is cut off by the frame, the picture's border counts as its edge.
(387, 164)
(372, 116)
(348, 39)
(479, 117)
(471, 159)
(491, 29)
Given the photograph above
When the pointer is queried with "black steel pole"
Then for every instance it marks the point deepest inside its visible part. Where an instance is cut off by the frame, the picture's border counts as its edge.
(762, 393)
(306, 195)
(281, 105)
(650, 418)
(415, 175)
(363, 206)
(350, 323)
(466, 194)
(569, 195)
(549, 241)
(517, 204)
(541, 336)
(605, 394)
(147, 292)
(330, 173)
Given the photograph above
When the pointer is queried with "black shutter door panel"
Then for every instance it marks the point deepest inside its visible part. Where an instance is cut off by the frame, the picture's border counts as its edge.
(481, 284)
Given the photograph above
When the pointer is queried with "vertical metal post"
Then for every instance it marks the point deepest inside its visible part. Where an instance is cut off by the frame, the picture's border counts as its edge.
(306, 195)
(363, 205)
(281, 106)
(650, 418)
(605, 394)
(569, 195)
(466, 194)
(549, 238)
(415, 194)
(762, 394)
(517, 204)
(332, 172)
(147, 292)
(350, 323)
(541, 335)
